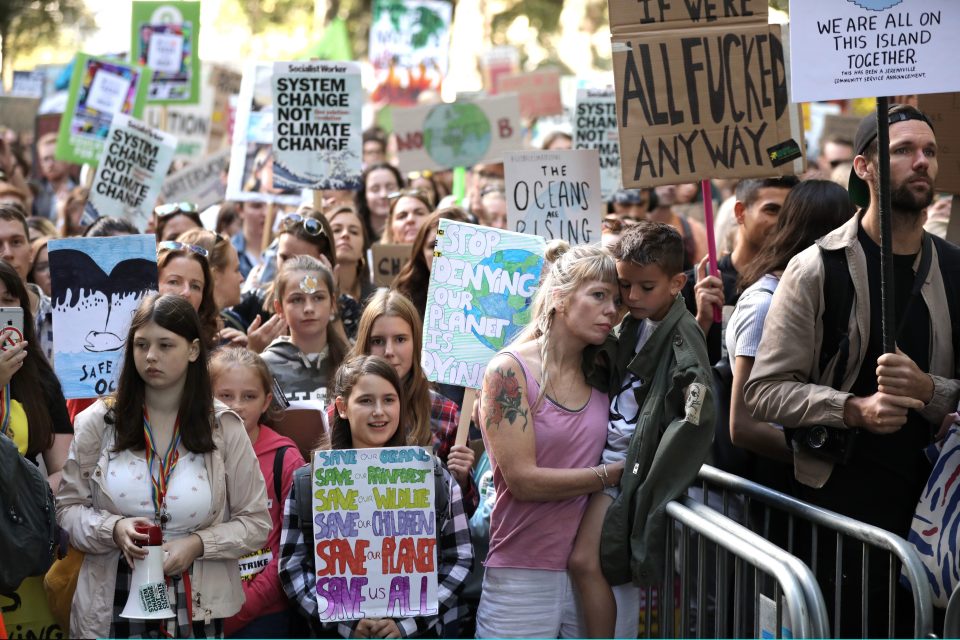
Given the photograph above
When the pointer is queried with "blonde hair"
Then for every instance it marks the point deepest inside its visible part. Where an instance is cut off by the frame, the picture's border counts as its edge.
(416, 388)
(234, 357)
(578, 265)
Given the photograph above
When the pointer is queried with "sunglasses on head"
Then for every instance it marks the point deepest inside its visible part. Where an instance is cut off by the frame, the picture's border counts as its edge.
(171, 208)
(311, 225)
(175, 245)
(416, 175)
(411, 193)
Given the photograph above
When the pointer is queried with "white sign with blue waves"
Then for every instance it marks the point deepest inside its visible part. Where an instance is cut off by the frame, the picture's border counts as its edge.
(97, 284)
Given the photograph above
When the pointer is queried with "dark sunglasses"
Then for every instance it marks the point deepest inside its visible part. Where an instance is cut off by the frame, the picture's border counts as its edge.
(311, 225)
(175, 245)
(171, 208)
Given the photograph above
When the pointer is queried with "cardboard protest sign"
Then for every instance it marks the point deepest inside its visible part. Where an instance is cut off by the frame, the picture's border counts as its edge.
(595, 127)
(252, 155)
(459, 134)
(866, 48)
(386, 262)
(943, 109)
(317, 134)
(99, 89)
(481, 288)
(539, 92)
(225, 84)
(132, 167)
(28, 84)
(701, 93)
(200, 182)
(19, 113)
(97, 284)
(165, 38)
(555, 194)
(496, 62)
(375, 527)
(840, 126)
(409, 43)
(190, 125)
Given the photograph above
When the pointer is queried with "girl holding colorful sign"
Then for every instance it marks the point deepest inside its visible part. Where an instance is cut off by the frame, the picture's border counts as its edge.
(161, 453)
(370, 410)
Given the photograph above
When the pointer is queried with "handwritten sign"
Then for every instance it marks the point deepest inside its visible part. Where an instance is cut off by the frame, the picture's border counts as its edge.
(701, 92)
(555, 194)
(317, 134)
(866, 48)
(100, 88)
(481, 288)
(387, 261)
(539, 92)
(165, 38)
(132, 167)
(97, 284)
(375, 533)
(595, 127)
(443, 136)
(200, 183)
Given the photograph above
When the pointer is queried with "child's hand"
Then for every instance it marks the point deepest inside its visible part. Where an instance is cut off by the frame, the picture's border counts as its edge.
(614, 472)
(709, 294)
(387, 629)
(366, 628)
(11, 361)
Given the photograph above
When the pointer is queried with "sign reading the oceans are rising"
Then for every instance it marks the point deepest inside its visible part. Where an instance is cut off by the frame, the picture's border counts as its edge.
(865, 48)
(481, 288)
(555, 194)
(316, 125)
(375, 533)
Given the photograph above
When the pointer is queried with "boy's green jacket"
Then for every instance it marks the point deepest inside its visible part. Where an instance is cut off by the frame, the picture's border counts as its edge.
(672, 439)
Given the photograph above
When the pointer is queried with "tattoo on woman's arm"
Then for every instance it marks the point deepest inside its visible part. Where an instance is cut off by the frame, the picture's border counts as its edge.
(502, 398)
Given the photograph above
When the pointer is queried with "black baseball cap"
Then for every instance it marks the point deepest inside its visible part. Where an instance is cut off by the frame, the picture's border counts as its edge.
(866, 134)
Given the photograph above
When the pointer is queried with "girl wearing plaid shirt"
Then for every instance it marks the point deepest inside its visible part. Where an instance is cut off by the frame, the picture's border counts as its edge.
(369, 412)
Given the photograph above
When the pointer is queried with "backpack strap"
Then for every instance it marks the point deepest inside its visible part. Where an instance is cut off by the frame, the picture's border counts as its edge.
(837, 305)
(301, 481)
(441, 495)
(278, 472)
(948, 257)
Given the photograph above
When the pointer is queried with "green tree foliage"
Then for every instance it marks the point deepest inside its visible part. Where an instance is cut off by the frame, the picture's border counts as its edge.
(28, 24)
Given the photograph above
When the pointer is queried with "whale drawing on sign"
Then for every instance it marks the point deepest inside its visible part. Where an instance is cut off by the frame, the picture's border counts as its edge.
(876, 5)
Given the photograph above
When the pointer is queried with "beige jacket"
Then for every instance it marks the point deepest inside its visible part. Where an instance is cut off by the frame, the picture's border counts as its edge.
(785, 385)
(239, 525)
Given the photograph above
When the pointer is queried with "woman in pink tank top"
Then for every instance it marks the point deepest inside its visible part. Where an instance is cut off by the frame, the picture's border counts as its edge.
(544, 428)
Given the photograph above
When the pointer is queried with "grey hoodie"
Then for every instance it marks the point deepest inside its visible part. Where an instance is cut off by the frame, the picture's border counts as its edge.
(302, 376)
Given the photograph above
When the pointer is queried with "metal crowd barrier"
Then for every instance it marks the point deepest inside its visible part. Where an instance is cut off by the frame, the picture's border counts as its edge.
(719, 605)
(738, 494)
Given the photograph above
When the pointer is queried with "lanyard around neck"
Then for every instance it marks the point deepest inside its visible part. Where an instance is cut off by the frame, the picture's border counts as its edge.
(167, 463)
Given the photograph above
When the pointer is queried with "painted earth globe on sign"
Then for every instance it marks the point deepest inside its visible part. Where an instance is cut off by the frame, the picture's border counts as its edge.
(876, 5)
(515, 307)
(456, 135)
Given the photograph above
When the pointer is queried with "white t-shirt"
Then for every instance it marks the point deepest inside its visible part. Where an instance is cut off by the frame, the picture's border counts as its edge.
(624, 411)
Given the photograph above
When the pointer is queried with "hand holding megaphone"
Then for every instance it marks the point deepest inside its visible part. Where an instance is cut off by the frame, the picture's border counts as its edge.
(129, 540)
(181, 553)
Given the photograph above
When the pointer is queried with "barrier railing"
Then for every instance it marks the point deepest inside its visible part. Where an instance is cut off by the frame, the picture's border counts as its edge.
(805, 519)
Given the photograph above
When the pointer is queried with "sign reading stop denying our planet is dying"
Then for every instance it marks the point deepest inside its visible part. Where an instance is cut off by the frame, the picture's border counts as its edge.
(481, 288)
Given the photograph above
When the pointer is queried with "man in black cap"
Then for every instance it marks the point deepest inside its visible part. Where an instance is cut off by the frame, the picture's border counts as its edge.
(856, 418)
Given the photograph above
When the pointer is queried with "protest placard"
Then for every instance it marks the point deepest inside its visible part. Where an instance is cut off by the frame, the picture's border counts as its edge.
(539, 92)
(481, 287)
(459, 134)
(132, 167)
(165, 38)
(190, 123)
(943, 109)
(866, 48)
(496, 62)
(317, 134)
(97, 284)
(251, 155)
(375, 522)
(19, 113)
(386, 262)
(555, 194)
(224, 84)
(99, 89)
(28, 84)
(200, 182)
(701, 93)
(595, 127)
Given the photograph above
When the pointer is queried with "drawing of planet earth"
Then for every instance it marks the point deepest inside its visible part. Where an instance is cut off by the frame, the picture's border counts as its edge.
(457, 134)
(515, 307)
(876, 5)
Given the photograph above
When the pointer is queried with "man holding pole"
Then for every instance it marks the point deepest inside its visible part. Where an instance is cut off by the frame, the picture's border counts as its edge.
(857, 418)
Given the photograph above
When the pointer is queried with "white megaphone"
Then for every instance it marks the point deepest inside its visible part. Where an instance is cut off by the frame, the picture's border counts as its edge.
(148, 586)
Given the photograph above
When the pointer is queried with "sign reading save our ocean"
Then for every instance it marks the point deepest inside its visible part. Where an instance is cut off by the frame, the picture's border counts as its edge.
(481, 288)
(374, 523)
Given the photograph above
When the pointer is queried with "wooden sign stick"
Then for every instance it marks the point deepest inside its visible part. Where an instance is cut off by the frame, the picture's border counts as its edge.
(466, 413)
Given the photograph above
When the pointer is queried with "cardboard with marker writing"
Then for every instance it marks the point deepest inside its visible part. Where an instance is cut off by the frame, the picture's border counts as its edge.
(555, 194)
(703, 94)
(539, 92)
(375, 547)
(200, 182)
(943, 109)
(387, 261)
(482, 284)
(458, 134)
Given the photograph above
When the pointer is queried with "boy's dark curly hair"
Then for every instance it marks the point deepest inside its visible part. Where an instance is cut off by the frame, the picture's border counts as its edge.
(651, 243)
